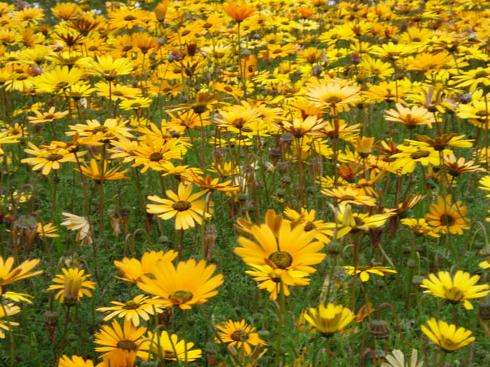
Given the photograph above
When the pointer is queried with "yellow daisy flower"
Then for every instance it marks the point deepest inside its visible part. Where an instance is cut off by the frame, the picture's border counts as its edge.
(71, 286)
(329, 319)
(448, 337)
(188, 284)
(170, 348)
(187, 208)
(458, 289)
(238, 335)
(139, 307)
(363, 271)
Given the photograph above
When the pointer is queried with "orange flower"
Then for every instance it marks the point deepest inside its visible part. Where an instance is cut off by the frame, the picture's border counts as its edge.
(161, 10)
(305, 12)
(238, 10)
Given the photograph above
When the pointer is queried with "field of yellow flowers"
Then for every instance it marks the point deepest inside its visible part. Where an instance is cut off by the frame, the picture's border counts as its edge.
(286, 183)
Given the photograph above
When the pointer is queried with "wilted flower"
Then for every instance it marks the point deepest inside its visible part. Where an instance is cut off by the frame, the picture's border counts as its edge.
(79, 224)
(397, 359)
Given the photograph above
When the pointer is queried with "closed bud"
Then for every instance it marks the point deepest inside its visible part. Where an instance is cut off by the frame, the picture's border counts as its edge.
(50, 318)
(269, 167)
(191, 49)
(210, 236)
(379, 329)
(356, 58)
(24, 231)
(484, 311)
(161, 10)
(275, 154)
(316, 70)
(417, 280)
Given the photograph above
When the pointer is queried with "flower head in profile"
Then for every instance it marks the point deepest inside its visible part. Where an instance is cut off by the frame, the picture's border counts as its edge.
(485, 184)
(7, 310)
(171, 348)
(107, 67)
(47, 230)
(79, 224)
(334, 95)
(238, 10)
(94, 133)
(277, 281)
(397, 359)
(239, 335)
(485, 264)
(459, 288)
(74, 361)
(349, 221)
(328, 319)
(161, 10)
(457, 166)
(59, 79)
(66, 10)
(10, 274)
(448, 337)
(71, 285)
(309, 219)
(136, 309)
(47, 158)
(132, 270)
(364, 145)
(408, 156)
(100, 171)
(410, 117)
(118, 358)
(363, 272)
(241, 118)
(350, 195)
(46, 117)
(300, 127)
(187, 284)
(420, 227)
(7, 138)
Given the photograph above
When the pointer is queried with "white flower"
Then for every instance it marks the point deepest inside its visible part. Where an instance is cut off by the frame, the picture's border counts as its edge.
(397, 359)
(76, 223)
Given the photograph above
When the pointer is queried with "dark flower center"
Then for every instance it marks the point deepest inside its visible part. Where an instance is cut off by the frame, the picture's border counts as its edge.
(420, 154)
(333, 100)
(447, 220)
(168, 354)
(347, 198)
(127, 345)
(481, 74)
(181, 205)
(281, 259)
(100, 129)
(180, 297)
(131, 305)
(481, 114)
(156, 156)
(239, 336)
(359, 221)
(54, 157)
(199, 108)
(309, 227)
(239, 122)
